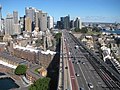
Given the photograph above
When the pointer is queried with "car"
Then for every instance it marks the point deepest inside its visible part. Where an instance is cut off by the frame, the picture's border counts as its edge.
(79, 61)
(66, 67)
(76, 47)
(83, 62)
(72, 61)
(81, 88)
(90, 85)
(77, 74)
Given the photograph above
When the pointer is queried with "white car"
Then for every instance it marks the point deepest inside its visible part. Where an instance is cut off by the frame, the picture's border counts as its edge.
(90, 85)
(77, 75)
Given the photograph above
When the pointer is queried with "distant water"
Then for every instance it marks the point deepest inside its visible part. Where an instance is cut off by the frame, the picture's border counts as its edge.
(7, 83)
(112, 31)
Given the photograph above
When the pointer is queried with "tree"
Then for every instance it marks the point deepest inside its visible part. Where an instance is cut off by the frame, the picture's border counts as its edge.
(96, 29)
(77, 30)
(84, 30)
(58, 36)
(21, 70)
(40, 84)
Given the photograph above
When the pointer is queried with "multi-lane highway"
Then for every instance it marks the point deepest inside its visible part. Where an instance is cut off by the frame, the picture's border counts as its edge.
(84, 71)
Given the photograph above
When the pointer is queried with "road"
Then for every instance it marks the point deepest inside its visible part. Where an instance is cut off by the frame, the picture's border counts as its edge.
(85, 71)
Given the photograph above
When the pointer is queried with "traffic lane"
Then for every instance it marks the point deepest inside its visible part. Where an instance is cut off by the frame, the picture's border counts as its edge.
(72, 76)
(91, 78)
(94, 76)
(80, 79)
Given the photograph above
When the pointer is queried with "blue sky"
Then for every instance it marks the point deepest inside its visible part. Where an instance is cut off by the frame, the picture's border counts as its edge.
(88, 10)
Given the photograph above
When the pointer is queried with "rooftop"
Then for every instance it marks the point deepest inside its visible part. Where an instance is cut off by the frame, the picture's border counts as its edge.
(12, 58)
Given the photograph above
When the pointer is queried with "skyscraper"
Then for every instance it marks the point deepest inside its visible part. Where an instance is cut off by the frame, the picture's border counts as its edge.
(22, 23)
(15, 17)
(28, 23)
(9, 25)
(59, 24)
(30, 12)
(43, 22)
(50, 22)
(67, 22)
(62, 22)
(72, 24)
(8, 28)
(0, 18)
(16, 25)
(77, 23)
(37, 12)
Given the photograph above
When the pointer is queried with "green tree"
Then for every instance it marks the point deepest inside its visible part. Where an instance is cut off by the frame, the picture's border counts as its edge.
(20, 70)
(58, 36)
(84, 30)
(40, 84)
(96, 29)
(77, 30)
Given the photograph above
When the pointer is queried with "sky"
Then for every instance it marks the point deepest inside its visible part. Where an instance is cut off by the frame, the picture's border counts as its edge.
(87, 10)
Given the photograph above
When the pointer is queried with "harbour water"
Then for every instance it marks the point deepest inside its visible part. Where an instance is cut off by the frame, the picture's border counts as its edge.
(112, 31)
(7, 84)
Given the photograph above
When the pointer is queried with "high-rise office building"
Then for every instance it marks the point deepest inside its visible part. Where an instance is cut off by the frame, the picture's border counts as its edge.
(67, 22)
(43, 22)
(22, 24)
(0, 18)
(50, 22)
(77, 23)
(72, 24)
(30, 12)
(37, 22)
(16, 25)
(62, 22)
(9, 30)
(28, 24)
(59, 24)
(15, 17)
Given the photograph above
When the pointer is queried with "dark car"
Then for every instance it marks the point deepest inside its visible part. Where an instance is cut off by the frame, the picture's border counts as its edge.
(81, 88)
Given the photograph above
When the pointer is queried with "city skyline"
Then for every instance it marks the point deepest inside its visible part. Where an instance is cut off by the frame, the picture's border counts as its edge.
(89, 11)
